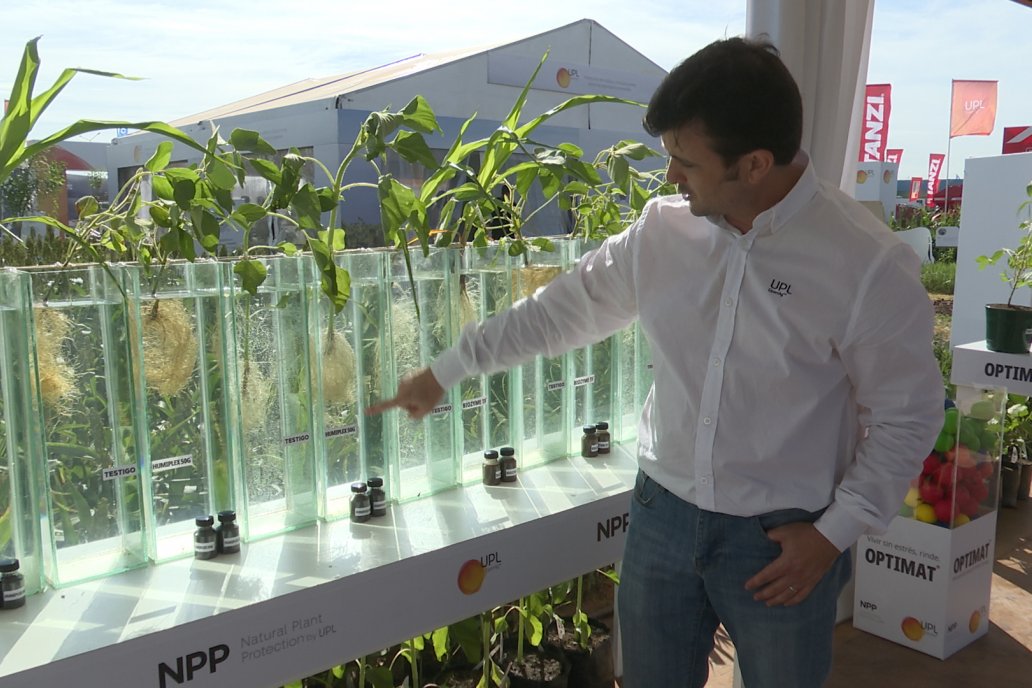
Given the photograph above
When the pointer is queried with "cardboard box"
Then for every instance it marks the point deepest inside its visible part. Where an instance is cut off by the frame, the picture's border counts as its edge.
(925, 583)
(876, 181)
(926, 587)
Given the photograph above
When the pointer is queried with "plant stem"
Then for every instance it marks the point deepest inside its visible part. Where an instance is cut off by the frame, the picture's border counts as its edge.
(519, 628)
(485, 626)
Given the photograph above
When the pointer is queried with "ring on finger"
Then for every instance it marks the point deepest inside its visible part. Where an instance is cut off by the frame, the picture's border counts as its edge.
(792, 590)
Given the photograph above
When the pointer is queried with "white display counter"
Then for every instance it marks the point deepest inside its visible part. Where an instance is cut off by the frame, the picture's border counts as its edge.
(973, 364)
(300, 603)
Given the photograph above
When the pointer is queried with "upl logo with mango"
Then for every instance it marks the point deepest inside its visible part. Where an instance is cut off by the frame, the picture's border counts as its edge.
(565, 76)
(473, 571)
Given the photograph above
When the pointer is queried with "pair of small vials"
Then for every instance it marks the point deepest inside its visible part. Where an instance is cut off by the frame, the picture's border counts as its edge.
(210, 542)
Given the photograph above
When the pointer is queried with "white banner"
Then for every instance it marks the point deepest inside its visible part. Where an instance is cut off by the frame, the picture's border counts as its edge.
(569, 77)
(270, 642)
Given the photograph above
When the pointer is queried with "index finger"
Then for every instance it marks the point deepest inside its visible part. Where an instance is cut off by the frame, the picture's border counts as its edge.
(768, 573)
(385, 405)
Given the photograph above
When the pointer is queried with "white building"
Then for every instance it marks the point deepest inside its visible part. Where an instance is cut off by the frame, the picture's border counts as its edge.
(321, 117)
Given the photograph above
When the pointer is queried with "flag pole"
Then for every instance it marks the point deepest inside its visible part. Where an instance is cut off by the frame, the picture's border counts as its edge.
(946, 203)
(949, 142)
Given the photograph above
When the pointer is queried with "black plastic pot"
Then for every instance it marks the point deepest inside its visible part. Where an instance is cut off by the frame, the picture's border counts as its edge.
(1008, 329)
(532, 658)
(592, 667)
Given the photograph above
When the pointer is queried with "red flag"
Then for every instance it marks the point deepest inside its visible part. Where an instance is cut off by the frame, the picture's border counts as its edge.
(935, 161)
(893, 155)
(875, 134)
(973, 112)
(915, 188)
(1017, 139)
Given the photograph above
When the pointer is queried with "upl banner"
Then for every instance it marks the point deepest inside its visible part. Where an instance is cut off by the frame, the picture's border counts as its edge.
(973, 109)
(875, 133)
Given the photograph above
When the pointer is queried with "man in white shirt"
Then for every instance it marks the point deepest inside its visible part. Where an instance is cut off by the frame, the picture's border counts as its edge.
(796, 392)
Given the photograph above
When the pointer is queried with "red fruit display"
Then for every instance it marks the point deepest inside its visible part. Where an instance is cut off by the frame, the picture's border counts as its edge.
(931, 465)
(956, 475)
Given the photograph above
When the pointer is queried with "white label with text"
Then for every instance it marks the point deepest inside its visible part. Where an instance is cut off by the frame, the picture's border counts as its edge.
(118, 472)
(441, 410)
(297, 439)
(584, 380)
(342, 431)
(168, 464)
(474, 403)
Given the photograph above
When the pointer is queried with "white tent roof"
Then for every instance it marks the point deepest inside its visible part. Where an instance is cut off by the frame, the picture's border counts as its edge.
(314, 89)
(330, 87)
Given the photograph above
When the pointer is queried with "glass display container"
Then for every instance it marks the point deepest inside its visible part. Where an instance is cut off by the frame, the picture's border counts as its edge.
(21, 481)
(488, 401)
(352, 369)
(643, 376)
(592, 371)
(543, 423)
(960, 478)
(626, 412)
(81, 326)
(266, 338)
(183, 409)
(426, 459)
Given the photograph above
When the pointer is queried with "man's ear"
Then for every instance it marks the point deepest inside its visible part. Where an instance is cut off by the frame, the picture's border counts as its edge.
(756, 165)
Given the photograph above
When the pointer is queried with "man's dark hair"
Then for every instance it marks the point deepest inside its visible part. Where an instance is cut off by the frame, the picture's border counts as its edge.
(741, 92)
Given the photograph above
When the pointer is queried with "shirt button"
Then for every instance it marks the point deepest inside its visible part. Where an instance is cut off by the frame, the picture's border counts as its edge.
(707, 421)
(728, 301)
(716, 362)
(704, 481)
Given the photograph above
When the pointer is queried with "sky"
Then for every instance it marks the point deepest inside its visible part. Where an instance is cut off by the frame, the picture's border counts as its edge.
(196, 55)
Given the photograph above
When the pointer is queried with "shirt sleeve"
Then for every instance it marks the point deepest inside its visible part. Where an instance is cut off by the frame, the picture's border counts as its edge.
(899, 390)
(577, 308)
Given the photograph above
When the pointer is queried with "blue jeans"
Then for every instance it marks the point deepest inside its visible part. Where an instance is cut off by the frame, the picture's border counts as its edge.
(684, 572)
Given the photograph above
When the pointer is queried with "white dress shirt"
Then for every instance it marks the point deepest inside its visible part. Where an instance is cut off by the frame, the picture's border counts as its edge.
(773, 350)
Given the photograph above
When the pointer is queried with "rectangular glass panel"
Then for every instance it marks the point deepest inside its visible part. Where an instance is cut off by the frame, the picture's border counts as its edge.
(182, 411)
(485, 289)
(426, 460)
(268, 341)
(354, 369)
(85, 374)
(543, 422)
(21, 485)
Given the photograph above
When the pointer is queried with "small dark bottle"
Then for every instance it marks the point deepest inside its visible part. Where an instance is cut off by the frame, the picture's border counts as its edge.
(603, 437)
(205, 538)
(228, 532)
(492, 469)
(360, 506)
(12, 584)
(508, 463)
(589, 443)
(377, 497)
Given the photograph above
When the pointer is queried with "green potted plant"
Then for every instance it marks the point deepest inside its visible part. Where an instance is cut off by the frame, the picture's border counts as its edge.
(1008, 326)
